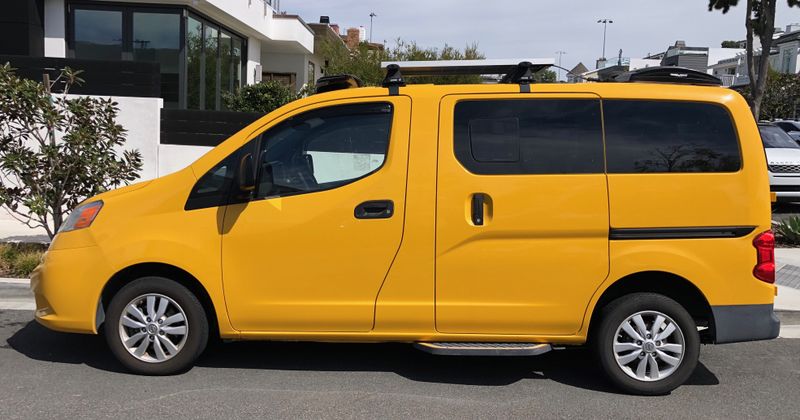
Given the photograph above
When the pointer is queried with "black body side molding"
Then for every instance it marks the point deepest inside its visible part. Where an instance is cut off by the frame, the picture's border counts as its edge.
(700, 232)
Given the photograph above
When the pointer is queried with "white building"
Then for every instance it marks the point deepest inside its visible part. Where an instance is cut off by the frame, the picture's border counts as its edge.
(783, 58)
(167, 63)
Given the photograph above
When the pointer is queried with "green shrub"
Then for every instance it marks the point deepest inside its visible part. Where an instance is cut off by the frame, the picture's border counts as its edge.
(7, 253)
(788, 231)
(19, 259)
(25, 262)
(262, 97)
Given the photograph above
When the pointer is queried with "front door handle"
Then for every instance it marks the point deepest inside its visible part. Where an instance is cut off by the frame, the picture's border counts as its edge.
(375, 209)
(477, 208)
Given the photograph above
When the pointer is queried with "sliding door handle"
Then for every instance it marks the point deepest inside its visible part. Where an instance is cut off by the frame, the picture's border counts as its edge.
(376, 209)
(477, 208)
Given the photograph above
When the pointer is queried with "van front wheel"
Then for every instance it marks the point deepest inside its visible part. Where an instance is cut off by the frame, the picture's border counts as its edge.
(155, 326)
(647, 343)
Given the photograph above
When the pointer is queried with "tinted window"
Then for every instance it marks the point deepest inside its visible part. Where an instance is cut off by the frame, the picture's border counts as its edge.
(324, 149)
(652, 136)
(156, 37)
(315, 151)
(529, 136)
(98, 34)
(212, 189)
(788, 126)
(775, 138)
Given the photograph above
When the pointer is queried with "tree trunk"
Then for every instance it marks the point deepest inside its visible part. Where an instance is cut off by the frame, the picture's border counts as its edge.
(765, 28)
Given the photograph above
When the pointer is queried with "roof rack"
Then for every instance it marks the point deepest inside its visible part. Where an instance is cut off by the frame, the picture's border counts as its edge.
(513, 70)
(336, 82)
(669, 74)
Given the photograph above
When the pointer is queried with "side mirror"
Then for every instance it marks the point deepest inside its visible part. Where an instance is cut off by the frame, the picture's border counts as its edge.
(247, 176)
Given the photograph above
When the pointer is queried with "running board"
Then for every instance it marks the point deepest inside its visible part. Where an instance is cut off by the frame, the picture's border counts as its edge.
(484, 349)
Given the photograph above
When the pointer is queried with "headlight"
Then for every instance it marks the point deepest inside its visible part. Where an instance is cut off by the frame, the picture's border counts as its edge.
(82, 216)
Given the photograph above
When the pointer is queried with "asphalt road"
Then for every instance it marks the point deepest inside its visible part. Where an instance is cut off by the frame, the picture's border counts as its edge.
(44, 374)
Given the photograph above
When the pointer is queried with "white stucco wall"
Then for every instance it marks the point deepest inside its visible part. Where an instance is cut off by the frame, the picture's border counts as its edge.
(287, 63)
(141, 118)
(55, 44)
(253, 60)
(174, 157)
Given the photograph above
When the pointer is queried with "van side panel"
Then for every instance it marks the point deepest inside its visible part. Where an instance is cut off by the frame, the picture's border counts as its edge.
(720, 267)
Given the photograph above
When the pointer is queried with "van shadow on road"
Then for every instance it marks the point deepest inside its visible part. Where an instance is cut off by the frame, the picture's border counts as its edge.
(574, 367)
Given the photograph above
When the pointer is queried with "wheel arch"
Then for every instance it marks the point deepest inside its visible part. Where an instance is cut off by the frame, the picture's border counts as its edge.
(676, 287)
(179, 275)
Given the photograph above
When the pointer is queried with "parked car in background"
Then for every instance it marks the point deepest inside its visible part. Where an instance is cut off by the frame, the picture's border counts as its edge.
(783, 162)
(791, 127)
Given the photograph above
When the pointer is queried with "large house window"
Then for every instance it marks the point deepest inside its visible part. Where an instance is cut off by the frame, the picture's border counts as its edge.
(98, 34)
(155, 38)
(199, 60)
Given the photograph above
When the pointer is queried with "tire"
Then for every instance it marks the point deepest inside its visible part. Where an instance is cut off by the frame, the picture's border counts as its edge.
(660, 348)
(181, 322)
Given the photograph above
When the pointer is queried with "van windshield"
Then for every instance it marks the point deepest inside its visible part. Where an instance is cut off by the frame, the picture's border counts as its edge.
(775, 138)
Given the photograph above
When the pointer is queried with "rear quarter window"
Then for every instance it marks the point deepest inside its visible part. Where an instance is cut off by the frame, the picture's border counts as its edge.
(669, 136)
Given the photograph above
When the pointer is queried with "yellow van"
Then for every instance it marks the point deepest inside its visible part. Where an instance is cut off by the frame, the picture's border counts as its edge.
(494, 219)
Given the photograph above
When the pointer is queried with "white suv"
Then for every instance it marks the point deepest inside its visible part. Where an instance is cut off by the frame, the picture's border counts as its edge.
(783, 158)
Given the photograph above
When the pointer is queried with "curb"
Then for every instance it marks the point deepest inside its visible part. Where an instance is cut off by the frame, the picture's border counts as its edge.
(9, 280)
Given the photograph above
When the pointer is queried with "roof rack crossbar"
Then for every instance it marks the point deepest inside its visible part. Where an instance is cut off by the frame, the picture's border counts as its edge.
(466, 67)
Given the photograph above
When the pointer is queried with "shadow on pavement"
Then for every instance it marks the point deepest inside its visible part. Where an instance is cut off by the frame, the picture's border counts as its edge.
(574, 367)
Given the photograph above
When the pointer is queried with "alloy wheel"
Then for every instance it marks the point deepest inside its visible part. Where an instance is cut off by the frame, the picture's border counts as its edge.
(649, 346)
(153, 328)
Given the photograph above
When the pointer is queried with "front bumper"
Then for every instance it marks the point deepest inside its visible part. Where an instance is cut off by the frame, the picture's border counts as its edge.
(737, 323)
(67, 286)
(786, 186)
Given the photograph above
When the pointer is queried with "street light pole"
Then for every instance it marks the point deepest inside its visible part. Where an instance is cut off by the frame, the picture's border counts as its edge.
(558, 70)
(371, 16)
(605, 23)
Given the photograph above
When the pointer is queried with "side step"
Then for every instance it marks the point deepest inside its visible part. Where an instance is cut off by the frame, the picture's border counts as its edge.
(483, 349)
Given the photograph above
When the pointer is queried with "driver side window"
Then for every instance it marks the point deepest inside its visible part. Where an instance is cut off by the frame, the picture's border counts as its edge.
(323, 149)
(314, 151)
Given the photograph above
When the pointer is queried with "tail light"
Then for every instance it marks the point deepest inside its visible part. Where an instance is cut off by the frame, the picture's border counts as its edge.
(765, 257)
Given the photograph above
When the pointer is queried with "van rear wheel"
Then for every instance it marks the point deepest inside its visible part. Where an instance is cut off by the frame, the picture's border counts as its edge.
(156, 326)
(647, 343)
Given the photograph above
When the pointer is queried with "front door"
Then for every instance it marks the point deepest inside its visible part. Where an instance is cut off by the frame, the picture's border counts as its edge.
(311, 249)
(522, 213)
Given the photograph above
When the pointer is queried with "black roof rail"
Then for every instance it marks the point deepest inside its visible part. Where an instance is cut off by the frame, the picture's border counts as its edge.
(337, 82)
(669, 74)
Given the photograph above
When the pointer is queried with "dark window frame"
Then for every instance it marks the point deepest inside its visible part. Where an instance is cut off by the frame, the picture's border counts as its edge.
(734, 128)
(127, 10)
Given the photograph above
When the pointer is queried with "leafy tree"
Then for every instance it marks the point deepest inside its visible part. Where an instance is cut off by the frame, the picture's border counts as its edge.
(545, 76)
(365, 63)
(56, 151)
(759, 21)
(781, 96)
(730, 44)
(410, 51)
(261, 97)
(362, 62)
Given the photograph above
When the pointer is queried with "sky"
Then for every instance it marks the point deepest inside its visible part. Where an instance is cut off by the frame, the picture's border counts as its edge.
(537, 29)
